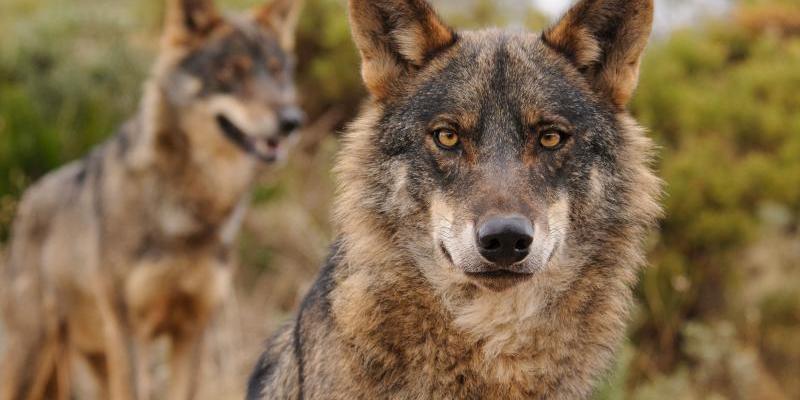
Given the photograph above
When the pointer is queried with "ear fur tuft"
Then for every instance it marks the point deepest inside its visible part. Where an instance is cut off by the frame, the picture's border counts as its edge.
(605, 40)
(281, 17)
(188, 20)
(395, 38)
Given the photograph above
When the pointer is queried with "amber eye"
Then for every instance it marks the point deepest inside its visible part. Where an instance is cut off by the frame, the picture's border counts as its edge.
(446, 138)
(551, 139)
(274, 65)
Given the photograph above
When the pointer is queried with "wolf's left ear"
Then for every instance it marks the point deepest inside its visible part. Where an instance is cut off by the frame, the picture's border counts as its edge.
(281, 16)
(395, 38)
(605, 40)
(190, 19)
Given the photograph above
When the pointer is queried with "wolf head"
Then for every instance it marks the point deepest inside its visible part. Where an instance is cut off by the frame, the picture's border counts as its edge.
(495, 156)
(225, 83)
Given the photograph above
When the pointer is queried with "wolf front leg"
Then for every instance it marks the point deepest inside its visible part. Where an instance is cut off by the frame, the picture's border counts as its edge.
(143, 367)
(52, 379)
(25, 362)
(117, 346)
(185, 364)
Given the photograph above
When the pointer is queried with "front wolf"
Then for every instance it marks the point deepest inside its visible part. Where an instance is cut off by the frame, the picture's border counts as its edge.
(494, 199)
(134, 241)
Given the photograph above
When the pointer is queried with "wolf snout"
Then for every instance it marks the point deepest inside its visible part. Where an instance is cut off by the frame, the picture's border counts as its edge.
(505, 240)
(289, 120)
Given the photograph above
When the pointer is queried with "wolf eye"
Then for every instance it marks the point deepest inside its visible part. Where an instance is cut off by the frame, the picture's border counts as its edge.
(235, 69)
(274, 65)
(446, 138)
(551, 139)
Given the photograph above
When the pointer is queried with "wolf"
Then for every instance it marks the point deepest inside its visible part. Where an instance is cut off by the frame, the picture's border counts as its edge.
(493, 202)
(134, 242)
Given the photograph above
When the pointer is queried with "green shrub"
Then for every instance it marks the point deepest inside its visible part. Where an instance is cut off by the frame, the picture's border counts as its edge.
(722, 102)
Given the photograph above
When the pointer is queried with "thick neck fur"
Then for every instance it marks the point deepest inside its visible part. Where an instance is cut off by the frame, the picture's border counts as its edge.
(401, 310)
(197, 186)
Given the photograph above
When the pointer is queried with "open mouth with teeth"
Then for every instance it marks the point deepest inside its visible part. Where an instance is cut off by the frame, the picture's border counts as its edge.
(265, 149)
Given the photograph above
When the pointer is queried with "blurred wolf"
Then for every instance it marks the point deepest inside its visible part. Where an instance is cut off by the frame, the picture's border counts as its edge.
(495, 195)
(134, 241)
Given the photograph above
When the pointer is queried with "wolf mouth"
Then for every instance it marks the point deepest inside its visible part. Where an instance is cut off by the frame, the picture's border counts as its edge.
(264, 149)
(500, 274)
(497, 280)
(500, 280)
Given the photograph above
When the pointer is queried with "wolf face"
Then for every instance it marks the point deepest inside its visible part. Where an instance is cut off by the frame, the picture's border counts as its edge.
(230, 79)
(510, 149)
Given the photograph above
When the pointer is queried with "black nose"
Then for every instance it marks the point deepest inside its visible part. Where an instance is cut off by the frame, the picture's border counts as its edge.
(505, 240)
(290, 119)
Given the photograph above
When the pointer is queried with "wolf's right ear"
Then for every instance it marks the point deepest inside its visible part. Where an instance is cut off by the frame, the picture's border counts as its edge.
(187, 20)
(281, 17)
(605, 40)
(396, 38)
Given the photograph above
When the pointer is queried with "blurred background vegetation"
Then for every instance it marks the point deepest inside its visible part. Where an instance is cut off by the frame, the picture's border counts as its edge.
(718, 312)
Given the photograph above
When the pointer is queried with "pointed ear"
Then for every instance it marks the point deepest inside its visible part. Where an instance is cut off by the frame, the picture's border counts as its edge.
(395, 38)
(605, 39)
(281, 16)
(188, 20)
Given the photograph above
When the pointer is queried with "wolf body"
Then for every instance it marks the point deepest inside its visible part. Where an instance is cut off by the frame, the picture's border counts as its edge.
(134, 241)
(494, 198)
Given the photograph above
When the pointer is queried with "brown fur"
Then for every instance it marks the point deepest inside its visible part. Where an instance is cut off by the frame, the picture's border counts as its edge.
(414, 35)
(135, 241)
(613, 64)
(401, 310)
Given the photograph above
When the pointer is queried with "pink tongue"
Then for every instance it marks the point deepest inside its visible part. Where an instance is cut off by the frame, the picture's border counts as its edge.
(263, 147)
(268, 146)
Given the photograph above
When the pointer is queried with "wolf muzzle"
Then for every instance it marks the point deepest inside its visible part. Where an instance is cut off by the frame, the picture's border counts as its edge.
(265, 149)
